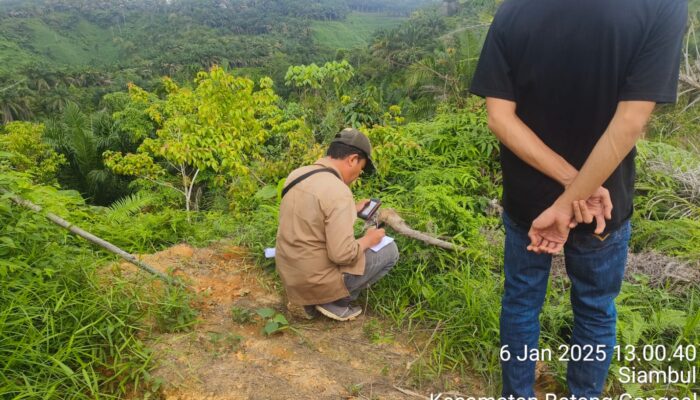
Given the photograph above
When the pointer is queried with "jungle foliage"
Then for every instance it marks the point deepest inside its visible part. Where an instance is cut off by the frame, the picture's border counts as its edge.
(69, 331)
(80, 50)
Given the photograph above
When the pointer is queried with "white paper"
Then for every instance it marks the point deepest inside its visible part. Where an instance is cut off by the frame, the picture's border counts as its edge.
(270, 252)
(385, 240)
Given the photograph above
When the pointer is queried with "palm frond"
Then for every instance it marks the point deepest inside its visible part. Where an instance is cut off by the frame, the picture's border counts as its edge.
(99, 178)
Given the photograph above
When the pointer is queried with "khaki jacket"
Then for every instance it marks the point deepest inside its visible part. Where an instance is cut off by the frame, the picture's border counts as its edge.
(315, 237)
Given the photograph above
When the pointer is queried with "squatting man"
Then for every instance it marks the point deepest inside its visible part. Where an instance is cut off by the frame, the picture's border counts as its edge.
(322, 265)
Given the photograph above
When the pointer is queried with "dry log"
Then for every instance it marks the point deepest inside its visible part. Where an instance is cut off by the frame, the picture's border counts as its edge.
(390, 217)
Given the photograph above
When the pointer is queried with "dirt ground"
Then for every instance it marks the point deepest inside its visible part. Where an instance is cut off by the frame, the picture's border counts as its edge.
(227, 359)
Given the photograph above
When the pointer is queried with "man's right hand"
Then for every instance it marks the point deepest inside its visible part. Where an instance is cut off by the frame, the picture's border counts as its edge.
(372, 237)
(550, 229)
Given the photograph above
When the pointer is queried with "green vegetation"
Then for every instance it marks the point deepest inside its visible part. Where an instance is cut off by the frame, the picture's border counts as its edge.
(81, 139)
(154, 123)
(27, 152)
(440, 175)
(67, 331)
(84, 44)
(355, 31)
(217, 130)
(667, 202)
(242, 315)
(274, 321)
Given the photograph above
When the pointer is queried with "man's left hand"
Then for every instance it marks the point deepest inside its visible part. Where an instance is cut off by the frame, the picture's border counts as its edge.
(550, 230)
(598, 207)
(361, 204)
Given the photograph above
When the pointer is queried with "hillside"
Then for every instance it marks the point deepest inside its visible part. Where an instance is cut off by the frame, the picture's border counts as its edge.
(355, 31)
(153, 33)
(26, 41)
(76, 51)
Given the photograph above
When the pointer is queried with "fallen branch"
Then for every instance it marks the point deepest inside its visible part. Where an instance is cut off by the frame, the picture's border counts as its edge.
(689, 80)
(690, 72)
(391, 218)
(92, 238)
(427, 344)
(662, 271)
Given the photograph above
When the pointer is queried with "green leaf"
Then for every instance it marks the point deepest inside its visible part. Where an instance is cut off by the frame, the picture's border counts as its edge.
(265, 312)
(266, 193)
(271, 327)
(7, 266)
(69, 372)
(279, 318)
(6, 241)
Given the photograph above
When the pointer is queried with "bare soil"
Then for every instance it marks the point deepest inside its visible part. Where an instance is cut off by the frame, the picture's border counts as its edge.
(226, 359)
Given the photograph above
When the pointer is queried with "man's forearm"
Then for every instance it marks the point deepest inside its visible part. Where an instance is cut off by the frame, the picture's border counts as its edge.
(524, 143)
(617, 141)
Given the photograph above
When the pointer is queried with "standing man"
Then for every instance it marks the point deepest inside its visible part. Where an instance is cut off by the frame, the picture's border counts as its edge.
(569, 88)
(322, 266)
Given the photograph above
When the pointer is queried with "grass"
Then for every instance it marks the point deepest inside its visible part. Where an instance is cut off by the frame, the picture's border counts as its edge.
(666, 202)
(355, 31)
(63, 335)
(68, 329)
(676, 238)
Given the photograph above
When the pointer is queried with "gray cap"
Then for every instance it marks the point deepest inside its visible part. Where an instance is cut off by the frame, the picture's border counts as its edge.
(354, 138)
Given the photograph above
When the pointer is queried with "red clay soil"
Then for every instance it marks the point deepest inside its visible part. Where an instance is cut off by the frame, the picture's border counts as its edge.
(222, 359)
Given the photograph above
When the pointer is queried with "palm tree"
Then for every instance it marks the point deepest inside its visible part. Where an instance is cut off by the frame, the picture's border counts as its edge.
(16, 102)
(82, 139)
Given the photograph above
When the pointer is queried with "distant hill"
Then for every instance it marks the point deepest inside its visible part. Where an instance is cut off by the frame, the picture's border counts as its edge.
(182, 34)
(59, 51)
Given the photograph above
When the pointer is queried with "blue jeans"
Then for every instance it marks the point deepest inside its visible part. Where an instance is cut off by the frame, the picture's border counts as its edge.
(595, 264)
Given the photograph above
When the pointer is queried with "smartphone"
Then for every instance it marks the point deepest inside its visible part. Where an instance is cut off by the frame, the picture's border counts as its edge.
(370, 208)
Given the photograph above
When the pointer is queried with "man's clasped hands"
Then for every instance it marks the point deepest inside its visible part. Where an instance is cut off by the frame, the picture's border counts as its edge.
(550, 230)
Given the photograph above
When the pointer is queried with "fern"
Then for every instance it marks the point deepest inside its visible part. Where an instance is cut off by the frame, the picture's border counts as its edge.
(128, 206)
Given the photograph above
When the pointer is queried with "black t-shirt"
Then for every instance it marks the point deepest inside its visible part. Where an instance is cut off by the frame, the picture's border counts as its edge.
(566, 64)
